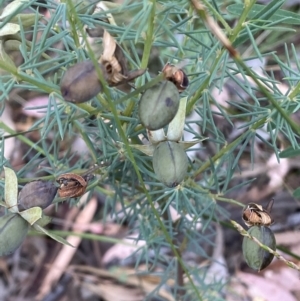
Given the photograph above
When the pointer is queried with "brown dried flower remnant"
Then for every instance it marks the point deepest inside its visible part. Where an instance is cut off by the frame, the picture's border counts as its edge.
(176, 76)
(115, 63)
(113, 60)
(255, 214)
(72, 185)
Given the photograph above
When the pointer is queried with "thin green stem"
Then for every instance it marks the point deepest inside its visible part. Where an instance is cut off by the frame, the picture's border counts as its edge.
(87, 140)
(227, 148)
(24, 139)
(295, 91)
(234, 34)
(146, 52)
(149, 37)
(218, 16)
(240, 24)
(84, 235)
(268, 95)
(21, 76)
(231, 201)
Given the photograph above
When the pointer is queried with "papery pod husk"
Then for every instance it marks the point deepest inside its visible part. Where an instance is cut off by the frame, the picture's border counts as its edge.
(159, 105)
(13, 230)
(80, 83)
(72, 185)
(170, 163)
(37, 194)
(8, 29)
(256, 257)
(176, 75)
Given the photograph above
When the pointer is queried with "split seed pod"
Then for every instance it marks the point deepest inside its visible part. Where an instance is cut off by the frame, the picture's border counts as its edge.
(13, 230)
(37, 194)
(80, 83)
(159, 105)
(170, 163)
(256, 257)
(114, 63)
(113, 60)
(176, 76)
(72, 185)
(255, 214)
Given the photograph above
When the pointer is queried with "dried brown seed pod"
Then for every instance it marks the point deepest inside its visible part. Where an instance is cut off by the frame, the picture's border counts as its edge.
(72, 185)
(176, 76)
(36, 194)
(80, 83)
(256, 257)
(255, 214)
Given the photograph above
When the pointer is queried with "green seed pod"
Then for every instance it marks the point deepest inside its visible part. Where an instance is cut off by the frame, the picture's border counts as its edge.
(159, 105)
(27, 20)
(80, 83)
(12, 45)
(170, 163)
(13, 230)
(256, 257)
(37, 194)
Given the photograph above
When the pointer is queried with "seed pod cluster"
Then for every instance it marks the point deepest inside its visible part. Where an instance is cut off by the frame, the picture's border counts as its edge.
(81, 82)
(259, 220)
(159, 105)
(13, 230)
(170, 163)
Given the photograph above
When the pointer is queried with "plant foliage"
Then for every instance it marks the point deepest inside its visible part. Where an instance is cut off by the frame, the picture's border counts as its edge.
(152, 33)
